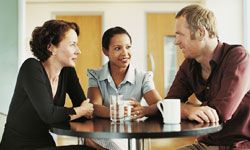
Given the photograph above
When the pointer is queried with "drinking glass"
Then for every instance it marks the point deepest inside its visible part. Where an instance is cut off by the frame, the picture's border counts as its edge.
(116, 108)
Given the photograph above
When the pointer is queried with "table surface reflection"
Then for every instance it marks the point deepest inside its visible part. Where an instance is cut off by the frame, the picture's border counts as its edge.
(149, 128)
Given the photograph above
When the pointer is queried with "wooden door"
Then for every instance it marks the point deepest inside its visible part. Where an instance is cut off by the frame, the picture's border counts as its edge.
(90, 45)
(160, 25)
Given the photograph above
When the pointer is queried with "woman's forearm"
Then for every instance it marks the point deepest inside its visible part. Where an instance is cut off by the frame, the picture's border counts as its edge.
(101, 111)
(77, 115)
(151, 110)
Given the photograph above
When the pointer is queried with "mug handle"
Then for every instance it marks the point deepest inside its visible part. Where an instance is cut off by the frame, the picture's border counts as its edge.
(160, 106)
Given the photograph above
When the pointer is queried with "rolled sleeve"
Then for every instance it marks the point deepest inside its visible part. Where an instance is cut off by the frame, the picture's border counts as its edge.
(148, 83)
(92, 81)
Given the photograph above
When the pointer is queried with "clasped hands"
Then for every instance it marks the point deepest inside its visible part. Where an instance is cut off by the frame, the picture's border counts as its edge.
(137, 111)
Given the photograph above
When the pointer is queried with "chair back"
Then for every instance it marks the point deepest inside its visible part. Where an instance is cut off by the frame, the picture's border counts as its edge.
(2, 123)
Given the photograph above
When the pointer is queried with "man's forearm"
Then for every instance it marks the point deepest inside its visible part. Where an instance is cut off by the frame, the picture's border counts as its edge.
(185, 110)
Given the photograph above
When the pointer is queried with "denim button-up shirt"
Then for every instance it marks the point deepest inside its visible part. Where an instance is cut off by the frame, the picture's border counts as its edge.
(135, 84)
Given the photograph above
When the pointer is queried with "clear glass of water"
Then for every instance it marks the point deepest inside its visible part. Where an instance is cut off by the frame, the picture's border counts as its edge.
(116, 108)
(127, 109)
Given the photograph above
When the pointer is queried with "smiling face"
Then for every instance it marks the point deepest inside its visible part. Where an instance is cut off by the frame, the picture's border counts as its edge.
(186, 39)
(67, 50)
(119, 52)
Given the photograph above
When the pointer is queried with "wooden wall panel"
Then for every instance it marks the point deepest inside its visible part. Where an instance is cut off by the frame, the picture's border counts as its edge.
(90, 44)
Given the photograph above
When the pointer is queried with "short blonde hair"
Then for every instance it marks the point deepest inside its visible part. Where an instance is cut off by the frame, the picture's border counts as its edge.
(197, 16)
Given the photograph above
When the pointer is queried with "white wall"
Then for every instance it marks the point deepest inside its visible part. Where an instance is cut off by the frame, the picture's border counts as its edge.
(246, 20)
(229, 16)
(130, 15)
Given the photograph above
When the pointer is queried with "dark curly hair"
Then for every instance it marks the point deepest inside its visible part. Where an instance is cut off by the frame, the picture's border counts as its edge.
(110, 33)
(51, 32)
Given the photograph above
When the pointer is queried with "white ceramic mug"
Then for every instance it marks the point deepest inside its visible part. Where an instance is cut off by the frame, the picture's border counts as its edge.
(170, 110)
(172, 127)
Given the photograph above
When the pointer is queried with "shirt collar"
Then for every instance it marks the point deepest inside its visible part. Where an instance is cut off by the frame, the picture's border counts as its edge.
(216, 56)
(105, 74)
(217, 53)
(130, 76)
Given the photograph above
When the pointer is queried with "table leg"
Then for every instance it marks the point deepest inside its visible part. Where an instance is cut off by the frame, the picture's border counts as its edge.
(80, 141)
(147, 144)
(139, 144)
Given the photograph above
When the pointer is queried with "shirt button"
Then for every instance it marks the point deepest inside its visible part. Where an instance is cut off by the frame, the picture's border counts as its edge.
(207, 87)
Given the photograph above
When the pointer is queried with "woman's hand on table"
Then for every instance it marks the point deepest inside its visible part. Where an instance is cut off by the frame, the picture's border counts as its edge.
(86, 109)
(138, 111)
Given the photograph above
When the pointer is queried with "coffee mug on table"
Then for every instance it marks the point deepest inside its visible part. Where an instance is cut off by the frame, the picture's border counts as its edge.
(170, 110)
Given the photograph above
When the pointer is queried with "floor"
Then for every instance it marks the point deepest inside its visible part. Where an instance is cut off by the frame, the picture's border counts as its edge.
(156, 144)
(171, 143)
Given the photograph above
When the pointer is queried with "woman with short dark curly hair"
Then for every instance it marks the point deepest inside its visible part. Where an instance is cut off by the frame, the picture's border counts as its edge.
(52, 32)
(42, 84)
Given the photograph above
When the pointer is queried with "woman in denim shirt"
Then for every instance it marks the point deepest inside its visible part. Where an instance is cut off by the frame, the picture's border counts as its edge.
(119, 77)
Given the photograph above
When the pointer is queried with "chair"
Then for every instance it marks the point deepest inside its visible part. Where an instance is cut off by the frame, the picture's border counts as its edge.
(2, 123)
